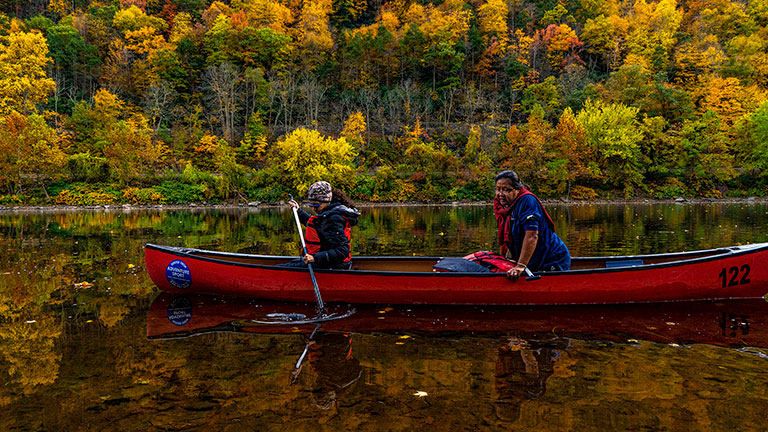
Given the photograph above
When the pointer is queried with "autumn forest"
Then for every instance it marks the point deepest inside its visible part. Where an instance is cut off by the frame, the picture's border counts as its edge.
(181, 101)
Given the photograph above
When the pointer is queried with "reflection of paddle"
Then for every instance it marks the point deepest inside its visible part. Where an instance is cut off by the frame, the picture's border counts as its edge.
(297, 368)
(320, 304)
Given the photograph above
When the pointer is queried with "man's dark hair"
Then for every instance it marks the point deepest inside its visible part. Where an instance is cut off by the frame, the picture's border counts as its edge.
(513, 178)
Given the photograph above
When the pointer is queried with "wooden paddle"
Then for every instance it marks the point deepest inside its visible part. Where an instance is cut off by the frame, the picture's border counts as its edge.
(320, 304)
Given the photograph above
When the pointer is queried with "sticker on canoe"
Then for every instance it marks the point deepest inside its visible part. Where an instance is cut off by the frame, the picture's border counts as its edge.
(180, 311)
(178, 274)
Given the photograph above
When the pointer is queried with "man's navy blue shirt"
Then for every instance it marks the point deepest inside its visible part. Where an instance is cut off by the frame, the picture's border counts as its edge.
(551, 253)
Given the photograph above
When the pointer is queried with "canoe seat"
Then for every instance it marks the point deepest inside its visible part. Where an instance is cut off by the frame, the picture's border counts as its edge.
(623, 263)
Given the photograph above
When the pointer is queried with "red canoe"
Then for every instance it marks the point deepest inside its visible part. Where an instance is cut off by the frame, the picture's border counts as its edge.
(726, 273)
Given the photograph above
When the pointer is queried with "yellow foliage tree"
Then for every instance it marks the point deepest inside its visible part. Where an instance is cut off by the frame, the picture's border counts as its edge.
(354, 128)
(314, 25)
(652, 30)
(266, 13)
(447, 23)
(124, 137)
(23, 80)
(492, 20)
(133, 18)
(145, 40)
(305, 156)
(521, 48)
(181, 28)
(729, 99)
(475, 158)
(604, 35)
(29, 151)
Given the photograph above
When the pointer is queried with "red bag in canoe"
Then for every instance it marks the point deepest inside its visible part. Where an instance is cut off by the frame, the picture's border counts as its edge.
(492, 261)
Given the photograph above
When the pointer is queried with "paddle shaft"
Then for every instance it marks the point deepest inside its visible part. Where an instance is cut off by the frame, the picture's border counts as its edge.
(530, 274)
(320, 304)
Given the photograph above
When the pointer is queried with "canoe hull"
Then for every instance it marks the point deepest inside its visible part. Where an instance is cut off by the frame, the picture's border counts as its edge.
(740, 273)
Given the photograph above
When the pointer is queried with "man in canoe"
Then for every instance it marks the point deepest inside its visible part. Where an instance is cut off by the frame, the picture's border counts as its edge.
(328, 232)
(526, 233)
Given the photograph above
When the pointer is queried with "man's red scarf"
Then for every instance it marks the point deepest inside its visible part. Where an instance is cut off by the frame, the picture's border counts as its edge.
(503, 222)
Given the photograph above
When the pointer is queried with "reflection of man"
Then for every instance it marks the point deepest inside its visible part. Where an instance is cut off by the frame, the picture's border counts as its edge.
(330, 356)
(522, 370)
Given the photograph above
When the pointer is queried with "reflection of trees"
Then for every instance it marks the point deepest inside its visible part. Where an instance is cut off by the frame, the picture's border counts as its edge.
(30, 350)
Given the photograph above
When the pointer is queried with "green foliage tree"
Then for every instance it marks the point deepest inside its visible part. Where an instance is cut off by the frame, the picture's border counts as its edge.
(752, 142)
(76, 62)
(612, 132)
(544, 96)
(703, 155)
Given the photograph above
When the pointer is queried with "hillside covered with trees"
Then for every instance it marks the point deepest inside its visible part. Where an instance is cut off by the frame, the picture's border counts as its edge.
(177, 101)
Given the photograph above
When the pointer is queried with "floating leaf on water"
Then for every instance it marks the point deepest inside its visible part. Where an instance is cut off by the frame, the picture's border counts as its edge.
(421, 394)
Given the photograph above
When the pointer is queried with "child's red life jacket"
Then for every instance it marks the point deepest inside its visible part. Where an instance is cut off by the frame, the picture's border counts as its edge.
(312, 238)
(492, 261)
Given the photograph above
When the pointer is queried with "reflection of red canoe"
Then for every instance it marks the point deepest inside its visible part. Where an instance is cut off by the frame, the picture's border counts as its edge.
(735, 272)
(725, 323)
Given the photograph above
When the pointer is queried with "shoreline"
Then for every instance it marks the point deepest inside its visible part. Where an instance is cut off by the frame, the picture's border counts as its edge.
(260, 205)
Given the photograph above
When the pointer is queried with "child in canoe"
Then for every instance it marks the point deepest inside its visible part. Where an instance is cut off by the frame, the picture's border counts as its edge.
(328, 232)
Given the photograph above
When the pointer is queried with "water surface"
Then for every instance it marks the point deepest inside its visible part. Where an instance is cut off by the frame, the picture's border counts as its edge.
(75, 303)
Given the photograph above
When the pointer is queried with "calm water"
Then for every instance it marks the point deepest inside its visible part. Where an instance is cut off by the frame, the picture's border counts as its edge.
(76, 310)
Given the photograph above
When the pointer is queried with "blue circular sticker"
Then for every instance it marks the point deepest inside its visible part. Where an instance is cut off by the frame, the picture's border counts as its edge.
(180, 311)
(178, 274)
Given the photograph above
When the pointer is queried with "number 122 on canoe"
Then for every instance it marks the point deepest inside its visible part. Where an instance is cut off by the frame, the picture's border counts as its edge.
(735, 275)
